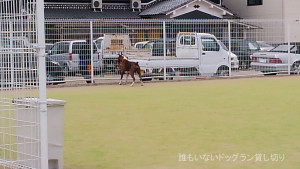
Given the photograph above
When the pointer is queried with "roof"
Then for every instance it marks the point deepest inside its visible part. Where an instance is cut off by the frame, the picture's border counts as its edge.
(90, 14)
(196, 15)
(193, 33)
(162, 8)
(88, 1)
(63, 10)
(165, 7)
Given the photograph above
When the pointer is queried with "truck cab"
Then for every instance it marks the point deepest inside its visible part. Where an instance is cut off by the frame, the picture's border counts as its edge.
(205, 47)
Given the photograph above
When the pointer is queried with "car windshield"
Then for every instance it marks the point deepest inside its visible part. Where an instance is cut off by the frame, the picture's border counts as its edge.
(148, 45)
(283, 48)
(263, 44)
(98, 44)
(253, 46)
(48, 47)
(139, 46)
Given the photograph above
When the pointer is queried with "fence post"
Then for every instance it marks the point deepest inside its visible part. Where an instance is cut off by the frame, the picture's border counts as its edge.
(229, 47)
(12, 64)
(42, 83)
(164, 36)
(92, 51)
(289, 46)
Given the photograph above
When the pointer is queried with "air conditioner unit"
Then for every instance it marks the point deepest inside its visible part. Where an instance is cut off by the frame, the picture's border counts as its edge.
(96, 4)
(136, 4)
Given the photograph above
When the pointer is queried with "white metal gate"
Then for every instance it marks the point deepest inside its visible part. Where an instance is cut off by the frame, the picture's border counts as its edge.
(22, 85)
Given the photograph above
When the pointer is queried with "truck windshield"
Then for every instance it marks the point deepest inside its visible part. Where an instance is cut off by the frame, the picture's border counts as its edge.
(209, 44)
(223, 46)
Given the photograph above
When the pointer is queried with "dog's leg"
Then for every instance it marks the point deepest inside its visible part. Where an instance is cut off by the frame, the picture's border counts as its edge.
(139, 72)
(122, 73)
(132, 75)
(126, 78)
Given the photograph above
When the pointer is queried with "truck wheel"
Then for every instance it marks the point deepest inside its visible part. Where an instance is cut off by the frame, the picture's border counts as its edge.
(223, 71)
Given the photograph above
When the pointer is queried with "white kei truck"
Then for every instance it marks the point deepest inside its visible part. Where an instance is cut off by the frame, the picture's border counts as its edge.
(193, 50)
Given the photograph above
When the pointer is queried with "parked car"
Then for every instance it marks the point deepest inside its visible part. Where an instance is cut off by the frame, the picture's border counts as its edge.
(187, 71)
(277, 59)
(264, 46)
(67, 54)
(48, 46)
(157, 47)
(234, 58)
(54, 72)
(25, 72)
(158, 73)
(25, 64)
(140, 45)
(243, 48)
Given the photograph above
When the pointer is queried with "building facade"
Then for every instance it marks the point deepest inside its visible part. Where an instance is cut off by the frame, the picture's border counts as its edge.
(287, 10)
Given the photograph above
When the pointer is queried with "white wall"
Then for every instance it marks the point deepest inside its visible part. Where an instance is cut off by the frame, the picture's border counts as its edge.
(271, 9)
(292, 13)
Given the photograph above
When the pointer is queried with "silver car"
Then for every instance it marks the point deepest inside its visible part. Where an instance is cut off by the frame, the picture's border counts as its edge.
(67, 54)
(278, 59)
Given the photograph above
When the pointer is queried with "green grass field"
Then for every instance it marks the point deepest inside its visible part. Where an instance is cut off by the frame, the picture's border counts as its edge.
(122, 127)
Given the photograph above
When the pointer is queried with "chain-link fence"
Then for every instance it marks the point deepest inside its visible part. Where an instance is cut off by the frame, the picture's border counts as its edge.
(20, 120)
(88, 50)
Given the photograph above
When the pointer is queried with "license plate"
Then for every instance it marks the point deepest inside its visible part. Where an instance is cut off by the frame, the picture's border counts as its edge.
(263, 60)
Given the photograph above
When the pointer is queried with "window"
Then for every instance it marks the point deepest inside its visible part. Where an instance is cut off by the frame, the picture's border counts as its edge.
(210, 44)
(60, 48)
(216, 1)
(116, 42)
(54, 49)
(188, 40)
(98, 43)
(148, 45)
(64, 48)
(77, 47)
(254, 2)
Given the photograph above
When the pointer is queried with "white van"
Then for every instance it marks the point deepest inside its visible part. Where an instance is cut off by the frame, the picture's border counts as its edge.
(67, 54)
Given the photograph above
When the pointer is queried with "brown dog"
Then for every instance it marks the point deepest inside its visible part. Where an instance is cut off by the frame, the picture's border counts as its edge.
(130, 68)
